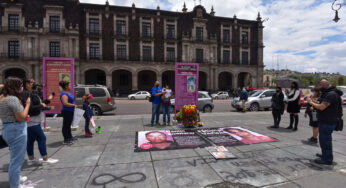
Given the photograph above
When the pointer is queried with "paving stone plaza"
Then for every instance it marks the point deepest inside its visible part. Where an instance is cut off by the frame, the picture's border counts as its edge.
(108, 159)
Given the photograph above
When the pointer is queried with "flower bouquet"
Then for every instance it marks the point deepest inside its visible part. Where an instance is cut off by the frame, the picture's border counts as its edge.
(189, 116)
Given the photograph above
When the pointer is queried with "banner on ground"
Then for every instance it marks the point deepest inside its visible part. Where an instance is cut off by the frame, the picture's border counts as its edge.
(54, 71)
(182, 139)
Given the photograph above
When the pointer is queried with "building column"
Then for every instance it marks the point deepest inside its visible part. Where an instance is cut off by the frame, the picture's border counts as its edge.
(82, 78)
(77, 74)
(37, 73)
(235, 81)
(134, 81)
(109, 80)
(159, 78)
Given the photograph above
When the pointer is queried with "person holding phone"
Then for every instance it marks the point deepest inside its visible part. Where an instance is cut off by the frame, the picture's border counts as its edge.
(312, 113)
(35, 132)
(14, 127)
(68, 105)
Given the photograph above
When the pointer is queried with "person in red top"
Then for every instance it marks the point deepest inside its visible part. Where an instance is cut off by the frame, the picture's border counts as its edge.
(247, 137)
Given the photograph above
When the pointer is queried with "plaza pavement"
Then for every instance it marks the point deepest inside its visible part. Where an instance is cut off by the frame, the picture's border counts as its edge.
(108, 160)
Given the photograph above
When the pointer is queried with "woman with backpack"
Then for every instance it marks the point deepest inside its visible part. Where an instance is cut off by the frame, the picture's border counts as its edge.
(35, 132)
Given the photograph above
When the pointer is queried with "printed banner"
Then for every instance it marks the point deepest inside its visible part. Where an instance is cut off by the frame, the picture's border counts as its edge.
(168, 139)
(246, 136)
(55, 70)
(181, 139)
(186, 84)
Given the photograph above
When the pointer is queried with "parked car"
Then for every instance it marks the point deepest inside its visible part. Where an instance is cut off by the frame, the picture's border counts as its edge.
(303, 102)
(103, 98)
(220, 95)
(205, 102)
(260, 99)
(344, 99)
(139, 95)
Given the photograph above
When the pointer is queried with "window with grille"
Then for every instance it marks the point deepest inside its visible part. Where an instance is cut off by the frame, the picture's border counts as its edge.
(226, 57)
(13, 22)
(54, 49)
(199, 55)
(94, 51)
(146, 29)
(121, 52)
(13, 49)
(199, 33)
(54, 24)
(245, 37)
(94, 26)
(245, 58)
(170, 55)
(226, 35)
(146, 53)
(121, 27)
(170, 31)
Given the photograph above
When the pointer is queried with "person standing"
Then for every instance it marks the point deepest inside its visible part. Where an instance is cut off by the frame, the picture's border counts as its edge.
(278, 107)
(293, 107)
(14, 127)
(243, 96)
(88, 114)
(35, 132)
(166, 105)
(312, 113)
(327, 117)
(68, 105)
(156, 92)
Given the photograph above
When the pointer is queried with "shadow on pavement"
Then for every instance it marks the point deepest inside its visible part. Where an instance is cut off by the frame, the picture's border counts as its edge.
(55, 144)
(309, 143)
(281, 129)
(4, 185)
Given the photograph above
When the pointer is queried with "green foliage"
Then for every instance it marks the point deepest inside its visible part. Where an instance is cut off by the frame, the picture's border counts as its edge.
(341, 81)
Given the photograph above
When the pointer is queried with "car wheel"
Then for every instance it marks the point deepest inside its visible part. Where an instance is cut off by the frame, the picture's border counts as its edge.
(207, 109)
(267, 109)
(132, 98)
(146, 98)
(254, 107)
(97, 110)
(227, 97)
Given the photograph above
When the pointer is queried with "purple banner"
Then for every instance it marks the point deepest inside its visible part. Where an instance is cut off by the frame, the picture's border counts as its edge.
(186, 84)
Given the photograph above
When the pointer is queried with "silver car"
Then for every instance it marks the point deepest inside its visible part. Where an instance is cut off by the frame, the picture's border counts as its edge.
(260, 99)
(220, 95)
(205, 102)
(139, 95)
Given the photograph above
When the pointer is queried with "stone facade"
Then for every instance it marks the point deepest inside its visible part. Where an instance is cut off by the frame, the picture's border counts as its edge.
(127, 48)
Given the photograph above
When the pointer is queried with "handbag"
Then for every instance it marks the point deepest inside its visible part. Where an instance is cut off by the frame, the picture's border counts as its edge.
(339, 125)
(3, 143)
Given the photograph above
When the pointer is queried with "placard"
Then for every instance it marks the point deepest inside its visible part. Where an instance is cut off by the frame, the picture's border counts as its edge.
(186, 84)
(55, 70)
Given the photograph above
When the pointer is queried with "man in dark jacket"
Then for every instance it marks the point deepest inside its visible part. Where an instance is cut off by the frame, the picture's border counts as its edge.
(243, 96)
(327, 116)
(278, 107)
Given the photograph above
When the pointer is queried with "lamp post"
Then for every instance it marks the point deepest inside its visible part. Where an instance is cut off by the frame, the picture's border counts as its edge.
(336, 7)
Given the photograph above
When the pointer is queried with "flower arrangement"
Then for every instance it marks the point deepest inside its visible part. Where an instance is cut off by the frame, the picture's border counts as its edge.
(188, 116)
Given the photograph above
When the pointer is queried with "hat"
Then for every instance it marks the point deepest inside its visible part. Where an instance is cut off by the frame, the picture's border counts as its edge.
(90, 96)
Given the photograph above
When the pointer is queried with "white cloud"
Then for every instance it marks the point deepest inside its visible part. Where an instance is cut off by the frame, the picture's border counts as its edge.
(293, 25)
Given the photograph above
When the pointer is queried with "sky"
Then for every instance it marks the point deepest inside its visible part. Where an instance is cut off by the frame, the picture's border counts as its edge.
(298, 34)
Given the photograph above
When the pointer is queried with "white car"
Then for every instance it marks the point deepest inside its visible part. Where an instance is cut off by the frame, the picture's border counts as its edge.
(220, 95)
(139, 95)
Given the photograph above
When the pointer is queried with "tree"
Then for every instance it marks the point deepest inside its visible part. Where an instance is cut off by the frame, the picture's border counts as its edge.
(341, 81)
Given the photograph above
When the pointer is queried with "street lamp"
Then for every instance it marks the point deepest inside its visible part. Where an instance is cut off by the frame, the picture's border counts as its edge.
(336, 7)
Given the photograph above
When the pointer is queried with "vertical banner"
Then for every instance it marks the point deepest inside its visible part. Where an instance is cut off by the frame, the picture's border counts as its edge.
(55, 70)
(186, 84)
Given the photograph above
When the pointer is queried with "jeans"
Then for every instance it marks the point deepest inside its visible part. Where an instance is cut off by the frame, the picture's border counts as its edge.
(66, 124)
(35, 133)
(325, 132)
(155, 112)
(15, 134)
(87, 122)
(166, 112)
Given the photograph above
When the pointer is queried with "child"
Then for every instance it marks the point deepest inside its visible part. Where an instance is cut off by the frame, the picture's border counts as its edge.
(88, 114)
(311, 112)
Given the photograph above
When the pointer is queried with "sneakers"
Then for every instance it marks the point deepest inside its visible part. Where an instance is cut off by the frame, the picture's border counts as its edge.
(23, 179)
(88, 135)
(168, 124)
(68, 142)
(313, 140)
(25, 186)
(50, 161)
(164, 124)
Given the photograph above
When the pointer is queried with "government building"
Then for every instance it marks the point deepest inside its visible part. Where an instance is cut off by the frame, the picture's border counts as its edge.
(128, 48)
